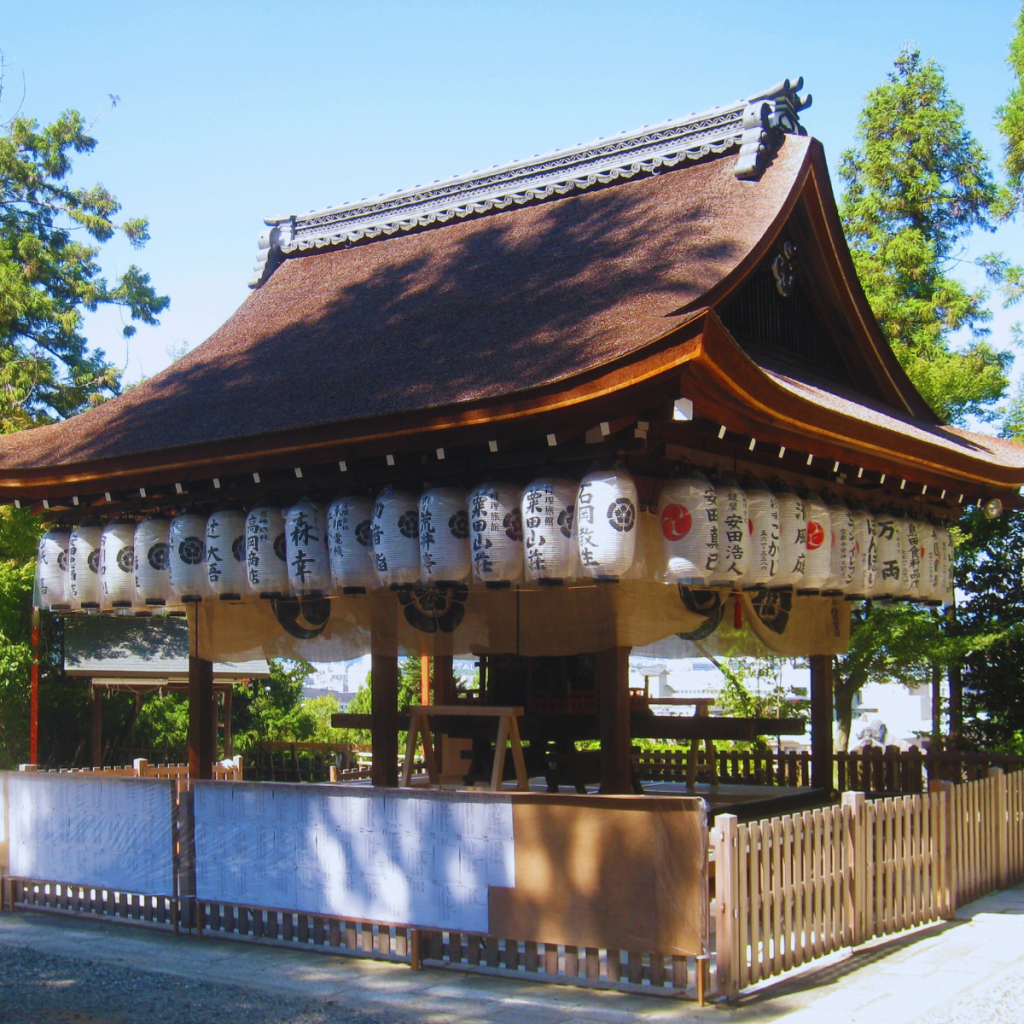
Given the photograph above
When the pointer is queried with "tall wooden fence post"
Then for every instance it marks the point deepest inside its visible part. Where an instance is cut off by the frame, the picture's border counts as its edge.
(725, 839)
(857, 859)
(1002, 835)
(945, 844)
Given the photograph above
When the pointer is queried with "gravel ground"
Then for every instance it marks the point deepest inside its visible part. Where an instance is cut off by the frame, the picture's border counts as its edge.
(43, 989)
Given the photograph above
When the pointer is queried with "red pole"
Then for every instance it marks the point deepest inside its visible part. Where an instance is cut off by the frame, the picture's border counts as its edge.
(33, 714)
(424, 679)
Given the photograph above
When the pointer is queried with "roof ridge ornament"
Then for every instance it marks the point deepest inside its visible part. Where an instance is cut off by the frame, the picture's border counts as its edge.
(770, 116)
(755, 126)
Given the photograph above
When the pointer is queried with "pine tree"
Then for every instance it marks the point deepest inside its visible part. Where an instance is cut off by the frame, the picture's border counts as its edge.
(51, 233)
(917, 185)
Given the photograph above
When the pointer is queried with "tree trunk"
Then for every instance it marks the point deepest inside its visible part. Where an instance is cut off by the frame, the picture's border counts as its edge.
(936, 707)
(845, 688)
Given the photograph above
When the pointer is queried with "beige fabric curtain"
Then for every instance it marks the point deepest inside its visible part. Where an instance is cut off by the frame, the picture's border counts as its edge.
(525, 620)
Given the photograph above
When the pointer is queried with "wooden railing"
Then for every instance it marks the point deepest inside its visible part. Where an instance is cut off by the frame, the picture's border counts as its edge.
(872, 771)
(791, 889)
(142, 769)
(300, 762)
(539, 960)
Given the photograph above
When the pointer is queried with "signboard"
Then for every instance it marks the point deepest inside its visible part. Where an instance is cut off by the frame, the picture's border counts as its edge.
(89, 830)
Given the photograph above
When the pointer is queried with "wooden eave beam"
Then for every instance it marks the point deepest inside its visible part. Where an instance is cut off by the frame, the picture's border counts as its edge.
(698, 360)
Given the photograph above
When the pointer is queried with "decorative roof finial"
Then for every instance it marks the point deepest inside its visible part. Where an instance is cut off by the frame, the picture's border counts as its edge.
(769, 116)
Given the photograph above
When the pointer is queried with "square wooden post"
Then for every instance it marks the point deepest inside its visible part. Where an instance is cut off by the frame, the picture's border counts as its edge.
(201, 718)
(857, 863)
(96, 727)
(822, 756)
(384, 691)
(1002, 832)
(384, 719)
(725, 839)
(611, 668)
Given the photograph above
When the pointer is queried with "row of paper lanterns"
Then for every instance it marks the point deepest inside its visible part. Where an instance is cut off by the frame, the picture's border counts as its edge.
(704, 534)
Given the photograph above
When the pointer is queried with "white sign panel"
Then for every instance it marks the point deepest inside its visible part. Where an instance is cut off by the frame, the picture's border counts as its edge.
(105, 832)
(422, 859)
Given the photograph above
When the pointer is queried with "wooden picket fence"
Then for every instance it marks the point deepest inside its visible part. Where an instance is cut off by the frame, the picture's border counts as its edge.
(142, 769)
(491, 953)
(791, 889)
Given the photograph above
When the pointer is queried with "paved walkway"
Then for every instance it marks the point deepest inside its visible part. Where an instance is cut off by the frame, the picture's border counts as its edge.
(969, 969)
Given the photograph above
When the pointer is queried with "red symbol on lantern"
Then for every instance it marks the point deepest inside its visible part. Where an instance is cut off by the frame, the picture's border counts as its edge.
(675, 522)
(815, 535)
(750, 526)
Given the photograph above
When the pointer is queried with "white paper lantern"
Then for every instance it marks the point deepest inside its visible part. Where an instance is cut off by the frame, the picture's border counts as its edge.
(444, 535)
(915, 560)
(117, 564)
(902, 589)
(763, 524)
(496, 533)
(842, 549)
(891, 542)
(83, 585)
(225, 553)
(152, 561)
(52, 567)
(309, 564)
(929, 562)
(265, 552)
(187, 565)
(548, 509)
(818, 567)
(945, 557)
(350, 544)
(688, 514)
(606, 517)
(733, 534)
(792, 537)
(396, 537)
(865, 565)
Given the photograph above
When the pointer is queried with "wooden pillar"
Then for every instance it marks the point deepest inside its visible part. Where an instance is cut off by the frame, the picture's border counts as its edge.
(384, 719)
(611, 669)
(444, 679)
(228, 749)
(201, 718)
(96, 727)
(424, 678)
(384, 690)
(936, 743)
(956, 706)
(821, 721)
(33, 707)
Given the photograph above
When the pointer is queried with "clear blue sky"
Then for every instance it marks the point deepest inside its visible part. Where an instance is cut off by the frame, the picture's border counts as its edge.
(230, 112)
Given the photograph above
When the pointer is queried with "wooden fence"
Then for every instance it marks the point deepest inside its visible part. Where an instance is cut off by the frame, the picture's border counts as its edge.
(142, 769)
(791, 889)
(872, 770)
(510, 957)
(301, 762)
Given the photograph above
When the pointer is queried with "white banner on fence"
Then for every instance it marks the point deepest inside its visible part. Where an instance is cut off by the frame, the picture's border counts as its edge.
(406, 858)
(101, 832)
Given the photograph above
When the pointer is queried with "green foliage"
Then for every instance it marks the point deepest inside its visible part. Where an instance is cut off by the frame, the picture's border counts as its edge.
(916, 186)
(272, 709)
(19, 535)
(408, 693)
(51, 233)
(1010, 117)
(753, 689)
(990, 626)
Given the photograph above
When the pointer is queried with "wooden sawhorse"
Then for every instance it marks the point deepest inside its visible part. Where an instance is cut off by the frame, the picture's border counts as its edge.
(508, 732)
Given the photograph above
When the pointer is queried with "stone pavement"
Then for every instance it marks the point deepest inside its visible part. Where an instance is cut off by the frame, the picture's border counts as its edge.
(968, 969)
